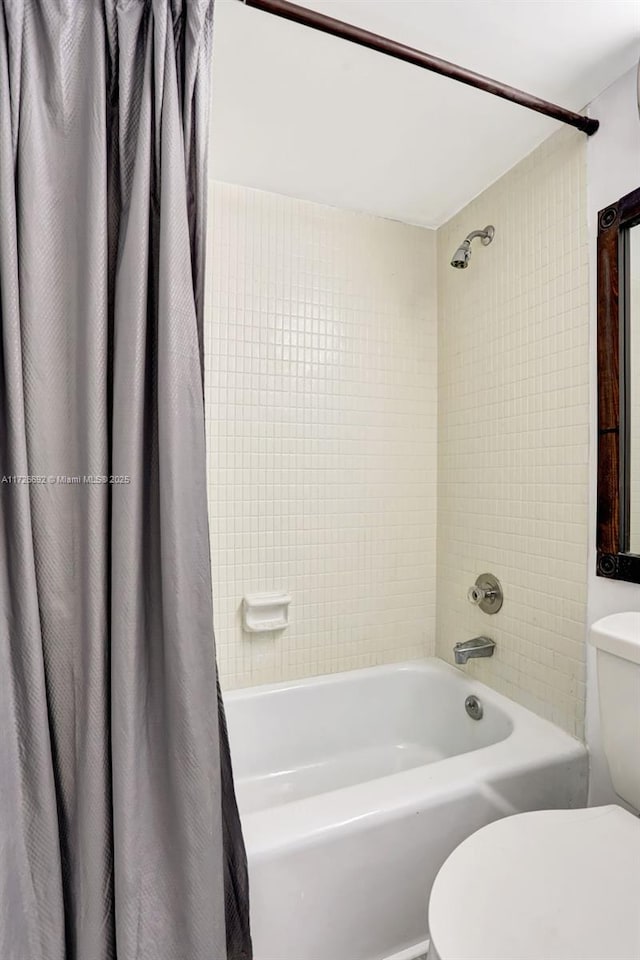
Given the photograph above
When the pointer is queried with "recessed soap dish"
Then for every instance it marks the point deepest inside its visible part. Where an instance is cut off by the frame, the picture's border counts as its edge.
(265, 612)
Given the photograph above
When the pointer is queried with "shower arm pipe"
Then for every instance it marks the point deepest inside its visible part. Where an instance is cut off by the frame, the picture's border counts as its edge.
(348, 31)
(477, 233)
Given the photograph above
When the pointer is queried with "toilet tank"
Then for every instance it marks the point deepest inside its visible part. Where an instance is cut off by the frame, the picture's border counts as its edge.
(617, 641)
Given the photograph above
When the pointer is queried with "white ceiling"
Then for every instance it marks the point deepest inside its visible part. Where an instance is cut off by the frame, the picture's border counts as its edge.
(315, 117)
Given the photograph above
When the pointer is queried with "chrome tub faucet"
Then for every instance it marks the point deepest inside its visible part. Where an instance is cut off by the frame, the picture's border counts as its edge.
(477, 647)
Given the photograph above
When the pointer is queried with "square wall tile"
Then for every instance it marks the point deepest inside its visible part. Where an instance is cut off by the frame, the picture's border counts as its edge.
(513, 430)
(321, 411)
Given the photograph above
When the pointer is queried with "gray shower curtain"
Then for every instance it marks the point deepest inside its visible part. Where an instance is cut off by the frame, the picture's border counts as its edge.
(119, 832)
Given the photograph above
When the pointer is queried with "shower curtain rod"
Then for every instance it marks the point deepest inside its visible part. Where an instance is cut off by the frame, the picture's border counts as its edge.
(347, 31)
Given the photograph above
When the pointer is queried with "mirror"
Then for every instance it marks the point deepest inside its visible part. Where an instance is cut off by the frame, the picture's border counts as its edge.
(633, 381)
(618, 522)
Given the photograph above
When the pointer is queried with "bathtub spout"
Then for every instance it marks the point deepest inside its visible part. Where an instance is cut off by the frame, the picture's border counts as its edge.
(478, 647)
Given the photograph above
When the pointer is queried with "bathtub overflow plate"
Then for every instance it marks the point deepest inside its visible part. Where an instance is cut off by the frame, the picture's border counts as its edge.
(473, 707)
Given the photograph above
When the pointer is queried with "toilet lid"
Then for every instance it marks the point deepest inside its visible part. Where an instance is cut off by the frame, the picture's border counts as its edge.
(549, 885)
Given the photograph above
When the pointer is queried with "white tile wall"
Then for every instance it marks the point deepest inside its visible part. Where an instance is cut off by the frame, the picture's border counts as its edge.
(321, 395)
(513, 430)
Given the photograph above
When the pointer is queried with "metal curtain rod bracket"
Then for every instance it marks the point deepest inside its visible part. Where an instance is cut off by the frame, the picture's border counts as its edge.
(347, 31)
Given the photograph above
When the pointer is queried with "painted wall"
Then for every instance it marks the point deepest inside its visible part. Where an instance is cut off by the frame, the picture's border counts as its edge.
(613, 157)
(321, 392)
(513, 427)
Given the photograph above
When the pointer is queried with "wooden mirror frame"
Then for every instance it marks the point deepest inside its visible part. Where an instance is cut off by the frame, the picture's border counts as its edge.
(612, 538)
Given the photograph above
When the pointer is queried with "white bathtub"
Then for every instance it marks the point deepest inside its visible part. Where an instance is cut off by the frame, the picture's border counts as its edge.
(354, 788)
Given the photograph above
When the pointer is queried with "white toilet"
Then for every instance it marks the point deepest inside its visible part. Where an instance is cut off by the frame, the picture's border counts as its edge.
(557, 884)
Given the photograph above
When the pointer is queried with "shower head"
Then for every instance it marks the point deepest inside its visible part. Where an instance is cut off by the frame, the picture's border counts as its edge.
(460, 259)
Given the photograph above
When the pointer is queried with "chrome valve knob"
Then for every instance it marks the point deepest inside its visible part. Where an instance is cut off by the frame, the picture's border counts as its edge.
(477, 594)
(486, 593)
